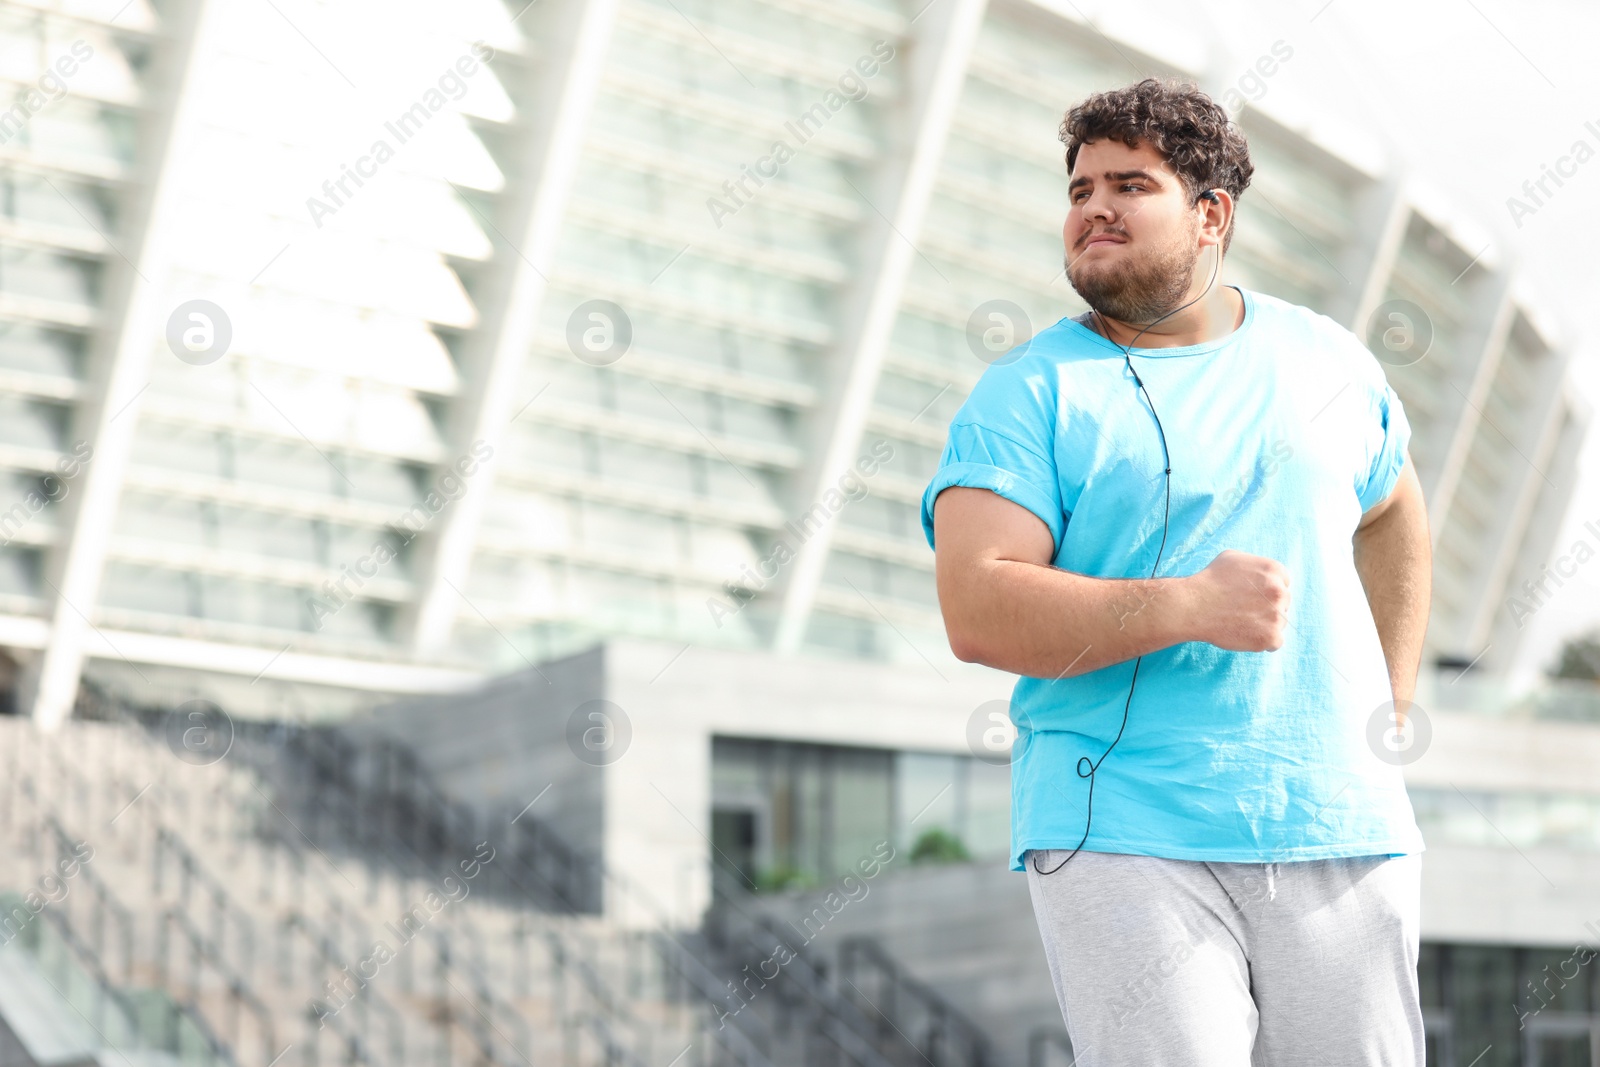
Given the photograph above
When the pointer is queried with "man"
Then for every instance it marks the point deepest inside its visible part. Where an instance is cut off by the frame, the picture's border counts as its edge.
(1213, 485)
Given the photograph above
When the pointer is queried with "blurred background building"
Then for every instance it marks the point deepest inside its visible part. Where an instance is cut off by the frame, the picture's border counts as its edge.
(356, 360)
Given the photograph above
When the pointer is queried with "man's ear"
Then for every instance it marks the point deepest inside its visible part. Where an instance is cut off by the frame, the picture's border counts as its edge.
(1216, 212)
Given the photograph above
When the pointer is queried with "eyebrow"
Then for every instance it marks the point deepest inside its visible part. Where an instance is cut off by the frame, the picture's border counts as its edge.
(1115, 176)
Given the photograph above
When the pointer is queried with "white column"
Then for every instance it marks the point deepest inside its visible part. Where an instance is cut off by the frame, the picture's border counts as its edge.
(1535, 437)
(108, 415)
(566, 74)
(1504, 638)
(1382, 213)
(1473, 379)
(937, 48)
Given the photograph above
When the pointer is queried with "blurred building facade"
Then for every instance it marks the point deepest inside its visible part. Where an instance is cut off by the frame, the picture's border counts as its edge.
(345, 356)
(531, 327)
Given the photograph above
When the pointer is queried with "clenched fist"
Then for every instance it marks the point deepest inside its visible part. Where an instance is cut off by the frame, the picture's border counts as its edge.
(1243, 602)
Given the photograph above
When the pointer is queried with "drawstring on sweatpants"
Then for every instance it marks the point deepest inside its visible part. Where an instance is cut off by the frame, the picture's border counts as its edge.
(1272, 874)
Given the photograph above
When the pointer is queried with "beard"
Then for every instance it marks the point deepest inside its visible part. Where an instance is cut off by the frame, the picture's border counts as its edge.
(1138, 288)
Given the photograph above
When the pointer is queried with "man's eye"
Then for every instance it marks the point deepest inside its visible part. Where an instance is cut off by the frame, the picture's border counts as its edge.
(1123, 188)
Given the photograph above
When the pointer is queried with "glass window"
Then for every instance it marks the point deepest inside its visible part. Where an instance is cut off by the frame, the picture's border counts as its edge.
(48, 275)
(547, 446)
(31, 423)
(652, 466)
(84, 129)
(640, 534)
(40, 350)
(800, 814)
(173, 448)
(19, 570)
(812, 811)
(383, 481)
(251, 603)
(538, 520)
(163, 518)
(140, 588)
(623, 603)
(284, 464)
(69, 205)
(266, 534)
(753, 421)
(1485, 993)
(1553, 981)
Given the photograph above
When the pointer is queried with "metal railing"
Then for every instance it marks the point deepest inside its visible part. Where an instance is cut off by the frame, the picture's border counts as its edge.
(119, 1018)
(191, 874)
(941, 1034)
(205, 964)
(375, 803)
(375, 790)
(737, 928)
(1042, 1040)
(204, 957)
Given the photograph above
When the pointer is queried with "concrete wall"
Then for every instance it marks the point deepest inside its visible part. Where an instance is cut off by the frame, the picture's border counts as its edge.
(499, 747)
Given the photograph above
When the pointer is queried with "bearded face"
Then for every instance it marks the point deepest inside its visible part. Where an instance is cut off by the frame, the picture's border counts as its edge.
(1131, 233)
(1139, 279)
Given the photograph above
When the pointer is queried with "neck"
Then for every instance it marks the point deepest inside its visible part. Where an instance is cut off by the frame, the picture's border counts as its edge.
(1217, 314)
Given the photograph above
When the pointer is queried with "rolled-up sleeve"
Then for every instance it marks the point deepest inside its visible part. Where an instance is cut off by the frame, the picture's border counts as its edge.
(1388, 432)
(980, 457)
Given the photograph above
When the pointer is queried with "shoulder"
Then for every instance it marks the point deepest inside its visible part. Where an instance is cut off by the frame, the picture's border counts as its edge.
(1277, 314)
(1037, 368)
(1322, 336)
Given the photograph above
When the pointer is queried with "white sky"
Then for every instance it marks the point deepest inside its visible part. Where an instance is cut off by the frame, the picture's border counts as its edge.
(1471, 98)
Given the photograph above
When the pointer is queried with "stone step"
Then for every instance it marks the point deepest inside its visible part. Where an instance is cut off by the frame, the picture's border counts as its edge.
(122, 793)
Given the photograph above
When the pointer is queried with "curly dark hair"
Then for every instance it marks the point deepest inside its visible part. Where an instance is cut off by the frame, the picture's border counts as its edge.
(1185, 125)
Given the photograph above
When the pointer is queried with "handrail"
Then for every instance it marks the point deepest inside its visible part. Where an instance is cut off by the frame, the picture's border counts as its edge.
(1041, 1038)
(222, 906)
(842, 1019)
(328, 763)
(109, 905)
(710, 987)
(329, 953)
(947, 1026)
(672, 952)
(402, 858)
(577, 878)
(617, 1054)
(483, 1023)
(91, 965)
(200, 948)
(89, 956)
(332, 762)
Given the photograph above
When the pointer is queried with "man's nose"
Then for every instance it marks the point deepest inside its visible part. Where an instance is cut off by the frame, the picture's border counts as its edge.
(1096, 208)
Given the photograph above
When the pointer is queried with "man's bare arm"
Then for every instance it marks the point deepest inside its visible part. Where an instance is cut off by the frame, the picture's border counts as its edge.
(1394, 556)
(1006, 606)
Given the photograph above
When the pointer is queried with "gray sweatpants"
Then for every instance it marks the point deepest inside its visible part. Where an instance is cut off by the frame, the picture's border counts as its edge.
(1194, 964)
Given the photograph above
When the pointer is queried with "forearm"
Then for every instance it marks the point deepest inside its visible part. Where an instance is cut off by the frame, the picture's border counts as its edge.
(1394, 557)
(1044, 622)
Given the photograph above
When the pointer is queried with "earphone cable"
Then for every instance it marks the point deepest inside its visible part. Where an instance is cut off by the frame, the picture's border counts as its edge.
(1166, 515)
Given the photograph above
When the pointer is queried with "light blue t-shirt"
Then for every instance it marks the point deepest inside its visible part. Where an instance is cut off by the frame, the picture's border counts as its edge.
(1281, 435)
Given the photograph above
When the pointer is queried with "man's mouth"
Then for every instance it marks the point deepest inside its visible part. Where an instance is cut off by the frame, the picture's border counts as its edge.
(1104, 238)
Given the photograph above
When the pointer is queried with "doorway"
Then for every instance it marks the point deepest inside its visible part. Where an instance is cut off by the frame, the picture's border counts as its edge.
(1562, 1041)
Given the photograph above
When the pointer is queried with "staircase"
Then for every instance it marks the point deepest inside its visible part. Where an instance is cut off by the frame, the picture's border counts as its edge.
(194, 880)
(289, 899)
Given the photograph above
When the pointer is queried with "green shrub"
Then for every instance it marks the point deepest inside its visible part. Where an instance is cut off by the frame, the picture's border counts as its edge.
(781, 877)
(939, 846)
